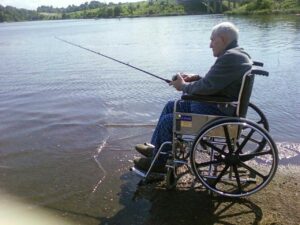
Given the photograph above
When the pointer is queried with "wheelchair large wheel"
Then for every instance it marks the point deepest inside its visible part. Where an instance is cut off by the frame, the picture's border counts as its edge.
(226, 160)
(256, 115)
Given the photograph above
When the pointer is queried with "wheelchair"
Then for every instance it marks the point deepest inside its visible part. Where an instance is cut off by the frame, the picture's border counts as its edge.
(230, 156)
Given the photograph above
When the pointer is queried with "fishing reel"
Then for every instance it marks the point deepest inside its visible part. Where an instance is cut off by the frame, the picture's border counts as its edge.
(174, 77)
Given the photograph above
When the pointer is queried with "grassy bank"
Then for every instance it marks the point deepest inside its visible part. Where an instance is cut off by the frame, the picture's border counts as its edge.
(267, 7)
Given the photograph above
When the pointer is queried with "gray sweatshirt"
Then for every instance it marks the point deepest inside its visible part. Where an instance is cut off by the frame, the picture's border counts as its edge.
(225, 77)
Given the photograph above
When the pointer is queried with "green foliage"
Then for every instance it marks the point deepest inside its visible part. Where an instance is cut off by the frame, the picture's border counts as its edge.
(71, 8)
(132, 10)
(9, 13)
(259, 5)
(96, 9)
(263, 7)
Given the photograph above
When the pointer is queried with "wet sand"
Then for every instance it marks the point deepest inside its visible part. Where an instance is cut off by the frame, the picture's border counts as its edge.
(94, 186)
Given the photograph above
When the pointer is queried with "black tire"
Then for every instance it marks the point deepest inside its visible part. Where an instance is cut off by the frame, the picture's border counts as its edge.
(258, 116)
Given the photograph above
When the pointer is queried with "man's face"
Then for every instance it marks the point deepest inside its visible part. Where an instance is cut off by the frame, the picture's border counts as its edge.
(218, 44)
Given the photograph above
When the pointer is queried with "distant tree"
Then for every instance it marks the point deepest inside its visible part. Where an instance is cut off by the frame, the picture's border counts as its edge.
(109, 12)
(2, 16)
(150, 12)
(259, 5)
(64, 16)
(131, 8)
(95, 4)
(117, 10)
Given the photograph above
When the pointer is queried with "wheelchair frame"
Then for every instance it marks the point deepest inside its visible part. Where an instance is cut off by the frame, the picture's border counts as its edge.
(230, 156)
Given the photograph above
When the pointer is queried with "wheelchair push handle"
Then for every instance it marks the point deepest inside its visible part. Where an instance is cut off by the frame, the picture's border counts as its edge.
(258, 71)
(256, 63)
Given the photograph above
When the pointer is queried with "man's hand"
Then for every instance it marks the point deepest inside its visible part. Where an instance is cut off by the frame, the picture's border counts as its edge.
(178, 82)
(187, 77)
(191, 77)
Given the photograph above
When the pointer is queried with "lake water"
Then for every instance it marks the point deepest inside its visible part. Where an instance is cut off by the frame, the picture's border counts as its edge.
(70, 118)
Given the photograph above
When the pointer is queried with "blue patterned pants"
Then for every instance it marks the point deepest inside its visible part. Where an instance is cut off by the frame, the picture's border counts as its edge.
(163, 130)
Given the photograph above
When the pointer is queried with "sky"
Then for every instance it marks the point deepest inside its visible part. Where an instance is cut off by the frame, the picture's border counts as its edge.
(33, 4)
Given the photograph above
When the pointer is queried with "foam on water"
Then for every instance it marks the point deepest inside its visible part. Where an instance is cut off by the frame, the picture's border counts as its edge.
(289, 153)
(100, 148)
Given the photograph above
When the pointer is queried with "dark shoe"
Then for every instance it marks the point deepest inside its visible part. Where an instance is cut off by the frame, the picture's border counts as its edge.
(145, 149)
(144, 164)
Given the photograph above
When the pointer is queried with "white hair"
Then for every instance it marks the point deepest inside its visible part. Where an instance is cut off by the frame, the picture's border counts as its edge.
(226, 29)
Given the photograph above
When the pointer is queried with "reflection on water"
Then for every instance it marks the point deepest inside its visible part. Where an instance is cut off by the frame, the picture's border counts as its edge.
(69, 118)
(99, 164)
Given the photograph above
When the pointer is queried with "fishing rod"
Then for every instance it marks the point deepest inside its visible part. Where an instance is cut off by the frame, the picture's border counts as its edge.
(116, 60)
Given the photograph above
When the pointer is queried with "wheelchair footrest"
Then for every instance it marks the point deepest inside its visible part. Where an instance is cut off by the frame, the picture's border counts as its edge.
(138, 172)
(144, 173)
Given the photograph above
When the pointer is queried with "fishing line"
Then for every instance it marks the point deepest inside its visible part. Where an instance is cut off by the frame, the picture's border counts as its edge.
(111, 58)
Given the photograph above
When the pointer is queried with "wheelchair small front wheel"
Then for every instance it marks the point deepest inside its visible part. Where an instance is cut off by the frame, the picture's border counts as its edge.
(226, 160)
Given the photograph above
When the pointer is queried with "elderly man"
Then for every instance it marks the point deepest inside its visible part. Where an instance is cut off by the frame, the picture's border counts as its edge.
(223, 79)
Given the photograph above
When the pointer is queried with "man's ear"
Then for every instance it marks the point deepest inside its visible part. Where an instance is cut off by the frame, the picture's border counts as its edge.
(224, 40)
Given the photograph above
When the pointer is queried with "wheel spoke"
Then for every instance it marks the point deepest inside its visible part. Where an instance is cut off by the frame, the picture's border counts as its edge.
(247, 157)
(220, 151)
(228, 141)
(213, 162)
(241, 146)
(221, 175)
(251, 139)
(252, 170)
(237, 176)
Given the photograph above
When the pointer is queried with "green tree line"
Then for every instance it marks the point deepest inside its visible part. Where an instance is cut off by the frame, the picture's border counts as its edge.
(72, 8)
(96, 9)
(265, 7)
(10, 13)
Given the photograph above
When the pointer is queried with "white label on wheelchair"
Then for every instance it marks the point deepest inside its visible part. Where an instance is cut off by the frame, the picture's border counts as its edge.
(186, 121)
(190, 123)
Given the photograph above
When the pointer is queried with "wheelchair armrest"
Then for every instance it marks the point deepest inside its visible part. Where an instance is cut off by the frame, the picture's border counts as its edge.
(260, 72)
(207, 98)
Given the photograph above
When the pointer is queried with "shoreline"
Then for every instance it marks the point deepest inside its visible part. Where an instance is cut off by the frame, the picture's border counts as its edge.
(251, 14)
